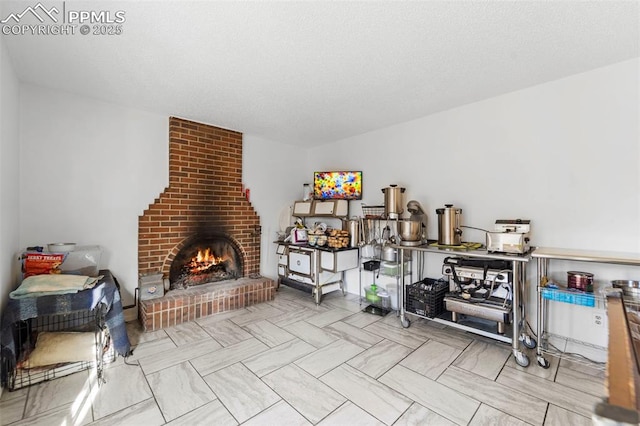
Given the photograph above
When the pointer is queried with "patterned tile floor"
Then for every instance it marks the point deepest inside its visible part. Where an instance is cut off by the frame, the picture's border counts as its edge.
(290, 362)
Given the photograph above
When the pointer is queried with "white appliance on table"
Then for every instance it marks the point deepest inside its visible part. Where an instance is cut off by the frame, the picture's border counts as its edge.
(510, 236)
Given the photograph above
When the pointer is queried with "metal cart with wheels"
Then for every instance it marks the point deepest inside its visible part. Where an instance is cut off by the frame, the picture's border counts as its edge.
(517, 326)
(543, 256)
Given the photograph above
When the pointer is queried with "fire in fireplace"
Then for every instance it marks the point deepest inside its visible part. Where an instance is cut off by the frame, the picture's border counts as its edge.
(205, 261)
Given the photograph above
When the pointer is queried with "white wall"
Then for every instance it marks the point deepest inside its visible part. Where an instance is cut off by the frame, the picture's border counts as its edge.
(564, 154)
(9, 175)
(91, 168)
(88, 170)
(274, 173)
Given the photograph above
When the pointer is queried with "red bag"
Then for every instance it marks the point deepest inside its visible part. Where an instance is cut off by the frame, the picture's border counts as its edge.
(41, 263)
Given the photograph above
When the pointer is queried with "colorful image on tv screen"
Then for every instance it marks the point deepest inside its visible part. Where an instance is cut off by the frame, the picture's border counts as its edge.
(337, 185)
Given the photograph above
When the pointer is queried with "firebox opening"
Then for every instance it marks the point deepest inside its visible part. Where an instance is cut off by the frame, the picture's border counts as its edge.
(205, 261)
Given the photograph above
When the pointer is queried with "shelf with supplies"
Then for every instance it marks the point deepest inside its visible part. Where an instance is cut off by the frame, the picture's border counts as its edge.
(374, 268)
(500, 317)
(572, 297)
(563, 346)
(568, 346)
(383, 267)
(596, 299)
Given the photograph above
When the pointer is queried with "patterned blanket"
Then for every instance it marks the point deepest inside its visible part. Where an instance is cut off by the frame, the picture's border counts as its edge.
(104, 293)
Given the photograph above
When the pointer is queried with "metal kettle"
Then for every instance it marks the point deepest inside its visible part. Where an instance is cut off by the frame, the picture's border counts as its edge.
(391, 254)
(449, 225)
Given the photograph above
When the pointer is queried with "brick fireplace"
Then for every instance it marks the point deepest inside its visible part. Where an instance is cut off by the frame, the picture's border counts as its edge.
(204, 200)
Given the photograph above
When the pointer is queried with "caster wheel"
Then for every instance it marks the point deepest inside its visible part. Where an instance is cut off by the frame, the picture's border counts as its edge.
(529, 342)
(405, 323)
(521, 359)
(542, 362)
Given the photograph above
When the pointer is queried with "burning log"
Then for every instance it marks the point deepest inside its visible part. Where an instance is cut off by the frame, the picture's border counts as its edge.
(203, 268)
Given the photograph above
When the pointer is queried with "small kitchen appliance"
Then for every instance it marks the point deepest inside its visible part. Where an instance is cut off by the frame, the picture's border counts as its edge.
(509, 236)
(410, 232)
(393, 205)
(449, 225)
(479, 288)
(355, 234)
(417, 215)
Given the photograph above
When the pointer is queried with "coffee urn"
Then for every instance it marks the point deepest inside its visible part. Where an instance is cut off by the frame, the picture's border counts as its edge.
(353, 226)
(393, 204)
(449, 225)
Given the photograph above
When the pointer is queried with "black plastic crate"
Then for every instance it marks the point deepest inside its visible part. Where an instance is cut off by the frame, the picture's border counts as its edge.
(371, 265)
(426, 297)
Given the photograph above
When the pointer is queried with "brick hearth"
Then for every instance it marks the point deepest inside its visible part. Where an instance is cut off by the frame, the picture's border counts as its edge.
(204, 198)
(179, 306)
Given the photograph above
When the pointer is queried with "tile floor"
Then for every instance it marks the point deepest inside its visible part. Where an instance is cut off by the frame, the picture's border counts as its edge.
(290, 362)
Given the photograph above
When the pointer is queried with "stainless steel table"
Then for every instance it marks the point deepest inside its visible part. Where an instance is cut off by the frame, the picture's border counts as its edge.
(518, 269)
(543, 255)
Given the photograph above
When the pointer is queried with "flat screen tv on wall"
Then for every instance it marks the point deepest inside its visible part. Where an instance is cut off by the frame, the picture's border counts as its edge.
(337, 185)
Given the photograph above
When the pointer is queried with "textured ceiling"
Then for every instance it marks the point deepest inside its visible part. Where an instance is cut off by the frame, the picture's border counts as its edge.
(313, 72)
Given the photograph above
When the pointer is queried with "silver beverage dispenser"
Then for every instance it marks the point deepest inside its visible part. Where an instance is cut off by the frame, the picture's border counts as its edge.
(355, 233)
(393, 203)
(449, 225)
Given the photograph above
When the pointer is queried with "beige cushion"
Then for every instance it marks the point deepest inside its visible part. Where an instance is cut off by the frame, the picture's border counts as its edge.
(59, 347)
